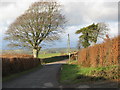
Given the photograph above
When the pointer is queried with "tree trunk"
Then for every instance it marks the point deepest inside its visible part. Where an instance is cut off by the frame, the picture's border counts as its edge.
(35, 53)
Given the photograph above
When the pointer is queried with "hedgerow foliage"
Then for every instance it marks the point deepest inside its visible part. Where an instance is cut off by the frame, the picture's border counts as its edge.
(17, 63)
(104, 54)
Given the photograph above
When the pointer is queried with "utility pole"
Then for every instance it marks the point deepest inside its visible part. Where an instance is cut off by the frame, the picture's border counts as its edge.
(69, 46)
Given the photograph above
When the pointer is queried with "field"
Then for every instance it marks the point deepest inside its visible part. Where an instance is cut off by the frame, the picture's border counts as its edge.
(53, 57)
(48, 55)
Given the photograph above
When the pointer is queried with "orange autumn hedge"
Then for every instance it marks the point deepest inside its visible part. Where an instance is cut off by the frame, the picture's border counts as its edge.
(15, 55)
(104, 54)
(18, 63)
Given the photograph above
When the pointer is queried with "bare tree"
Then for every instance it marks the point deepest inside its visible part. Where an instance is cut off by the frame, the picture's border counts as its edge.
(43, 21)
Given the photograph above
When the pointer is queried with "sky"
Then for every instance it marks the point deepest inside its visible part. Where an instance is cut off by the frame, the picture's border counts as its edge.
(79, 13)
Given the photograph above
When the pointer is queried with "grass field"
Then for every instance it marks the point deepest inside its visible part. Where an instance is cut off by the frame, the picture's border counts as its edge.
(72, 73)
(48, 55)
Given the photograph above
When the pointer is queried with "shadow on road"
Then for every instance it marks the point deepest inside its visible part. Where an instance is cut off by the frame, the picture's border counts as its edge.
(55, 59)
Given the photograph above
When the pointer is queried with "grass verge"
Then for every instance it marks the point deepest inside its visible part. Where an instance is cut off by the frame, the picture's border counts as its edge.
(16, 75)
(71, 73)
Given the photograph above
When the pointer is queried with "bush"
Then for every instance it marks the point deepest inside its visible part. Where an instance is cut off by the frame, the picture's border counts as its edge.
(18, 64)
(104, 54)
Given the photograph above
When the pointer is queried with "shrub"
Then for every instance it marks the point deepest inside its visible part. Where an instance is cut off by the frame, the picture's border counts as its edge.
(15, 64)
(104, 54)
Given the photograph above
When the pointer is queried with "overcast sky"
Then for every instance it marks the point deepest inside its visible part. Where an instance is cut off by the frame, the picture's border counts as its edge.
(79, 13)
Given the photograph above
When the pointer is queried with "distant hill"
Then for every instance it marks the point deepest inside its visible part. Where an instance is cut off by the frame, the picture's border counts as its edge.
(50, 50)
(16, 51)
(57, 50)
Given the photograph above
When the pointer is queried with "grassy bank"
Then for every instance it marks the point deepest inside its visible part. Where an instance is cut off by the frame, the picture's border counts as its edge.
(16, 75)
(71, 73)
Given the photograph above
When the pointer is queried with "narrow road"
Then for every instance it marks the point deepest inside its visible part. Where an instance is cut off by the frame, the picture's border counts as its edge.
(45, 77)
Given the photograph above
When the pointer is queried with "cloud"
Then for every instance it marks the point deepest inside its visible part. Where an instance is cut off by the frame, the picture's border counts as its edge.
(113, 29)
(4, 4)
(11, 10)
(79, 13)
(64, 1)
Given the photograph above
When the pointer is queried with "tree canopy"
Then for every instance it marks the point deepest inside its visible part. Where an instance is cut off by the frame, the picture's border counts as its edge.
(92, 33)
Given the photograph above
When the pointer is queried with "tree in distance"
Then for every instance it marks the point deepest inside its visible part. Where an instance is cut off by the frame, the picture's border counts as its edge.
(90, 34)
(42, 22)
